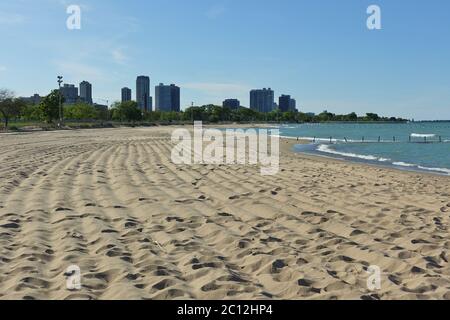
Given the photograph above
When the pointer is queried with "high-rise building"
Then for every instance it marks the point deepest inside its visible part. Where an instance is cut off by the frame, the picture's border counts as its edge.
(143, 93)
(70, 93)
(232, 104)
(167, 98)
(175, 94)
(293, 105)
(262, 100)
(126, 94)
(86, 92)
(284, 102)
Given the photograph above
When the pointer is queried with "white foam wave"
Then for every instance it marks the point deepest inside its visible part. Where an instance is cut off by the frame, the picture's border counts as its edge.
(443, 170)
(420, 135)
(325, 148)
(403, 164)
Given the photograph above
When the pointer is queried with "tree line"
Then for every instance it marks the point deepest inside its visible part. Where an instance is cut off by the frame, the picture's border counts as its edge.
(48, 111)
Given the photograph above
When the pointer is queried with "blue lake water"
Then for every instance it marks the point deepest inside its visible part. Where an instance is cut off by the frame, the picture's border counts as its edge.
(399, 145)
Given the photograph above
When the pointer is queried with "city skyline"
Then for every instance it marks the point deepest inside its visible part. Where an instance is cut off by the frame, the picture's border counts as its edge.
(167, 97)
(320, 53)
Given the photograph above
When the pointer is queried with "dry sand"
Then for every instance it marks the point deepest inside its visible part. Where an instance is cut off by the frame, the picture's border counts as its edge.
(138, 226)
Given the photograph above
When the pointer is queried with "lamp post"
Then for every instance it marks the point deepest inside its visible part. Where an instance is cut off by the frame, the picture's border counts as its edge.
(60, 80)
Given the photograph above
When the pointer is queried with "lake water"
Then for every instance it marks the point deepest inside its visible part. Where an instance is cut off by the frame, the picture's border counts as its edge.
(399, 145)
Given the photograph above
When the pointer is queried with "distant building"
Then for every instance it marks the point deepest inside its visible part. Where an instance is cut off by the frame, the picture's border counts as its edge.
(167, 98)
(293, 105)
(310, 114)
(126, 94)
(262, 100)
(284, 103)
(143, 93)
(176, 96)
(70, 93)
(34, 99)
(232, 104)
(86, 92)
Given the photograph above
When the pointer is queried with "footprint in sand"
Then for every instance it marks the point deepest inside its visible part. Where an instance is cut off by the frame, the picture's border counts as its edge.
(277, 265)
(90, 205)
(11, 225)
(238, 196)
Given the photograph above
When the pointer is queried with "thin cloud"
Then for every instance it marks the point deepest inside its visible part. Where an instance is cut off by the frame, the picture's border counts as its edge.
(80, 71)
(2, 68)
(217, 88)
(119, 56)
(11, 19)
(215, 11)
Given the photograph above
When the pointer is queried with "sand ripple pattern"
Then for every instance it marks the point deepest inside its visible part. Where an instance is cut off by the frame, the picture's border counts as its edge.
(140, 227)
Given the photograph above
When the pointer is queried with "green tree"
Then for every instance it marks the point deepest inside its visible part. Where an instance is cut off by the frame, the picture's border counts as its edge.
(215, 113)
(126, 111)
(372, 117)
(152, 115)
(9, 106)
(245, 115)
(50, 106)
(80, 111)
(351, 117)
(32, 112)
(195, 113)
(325, 116)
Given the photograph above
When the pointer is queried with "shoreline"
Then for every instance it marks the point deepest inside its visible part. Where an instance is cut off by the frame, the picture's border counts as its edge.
(292, 142)
(369, 163)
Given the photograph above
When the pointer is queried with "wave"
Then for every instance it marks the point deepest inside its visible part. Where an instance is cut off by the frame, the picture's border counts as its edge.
(403, 164)
(326, 149)
(420, 135)
(443, 170)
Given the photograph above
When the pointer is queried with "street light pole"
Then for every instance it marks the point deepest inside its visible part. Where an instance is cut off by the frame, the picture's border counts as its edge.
(60, 106)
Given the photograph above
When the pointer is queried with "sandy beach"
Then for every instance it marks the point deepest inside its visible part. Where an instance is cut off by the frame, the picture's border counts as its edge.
(140, 227)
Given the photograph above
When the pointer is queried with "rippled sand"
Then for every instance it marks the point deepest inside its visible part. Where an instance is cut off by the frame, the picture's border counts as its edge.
(140, 227)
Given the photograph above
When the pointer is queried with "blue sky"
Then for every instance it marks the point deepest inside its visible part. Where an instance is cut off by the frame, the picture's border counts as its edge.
(320, 52)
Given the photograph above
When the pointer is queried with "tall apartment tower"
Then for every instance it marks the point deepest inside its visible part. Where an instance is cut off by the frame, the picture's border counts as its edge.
(143, 93)
(284, 103)
(232, 104)
(175, 94)
(86, 92)
(167, 98)
(126, 94)
(262, 100)
(293, 105)
(70, 93)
